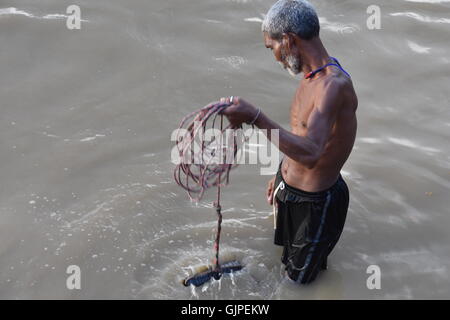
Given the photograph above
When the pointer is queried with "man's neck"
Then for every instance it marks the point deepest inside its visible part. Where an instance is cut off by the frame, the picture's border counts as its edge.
(313, 55)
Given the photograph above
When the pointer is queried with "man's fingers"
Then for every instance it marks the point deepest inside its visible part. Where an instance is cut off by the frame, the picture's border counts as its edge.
(270, 191)
(232, 100)
(224, 100)
(270, 194)
(270, 199)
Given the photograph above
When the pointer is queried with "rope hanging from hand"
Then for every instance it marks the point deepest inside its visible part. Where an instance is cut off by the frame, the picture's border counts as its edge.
(208, 165)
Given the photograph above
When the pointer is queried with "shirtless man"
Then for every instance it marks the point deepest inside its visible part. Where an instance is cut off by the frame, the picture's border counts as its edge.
(308, 191)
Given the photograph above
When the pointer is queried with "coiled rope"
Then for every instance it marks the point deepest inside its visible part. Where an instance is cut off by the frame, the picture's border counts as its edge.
(199, 170)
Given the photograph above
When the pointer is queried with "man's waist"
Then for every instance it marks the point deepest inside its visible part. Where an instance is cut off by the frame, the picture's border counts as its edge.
(322, 192)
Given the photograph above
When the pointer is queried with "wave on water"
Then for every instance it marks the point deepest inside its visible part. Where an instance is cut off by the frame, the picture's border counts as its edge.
(14, 11)
(419, 17)
(338, 27)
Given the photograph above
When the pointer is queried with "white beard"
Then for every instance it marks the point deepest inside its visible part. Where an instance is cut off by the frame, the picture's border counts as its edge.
(291, 72)
(292, 66)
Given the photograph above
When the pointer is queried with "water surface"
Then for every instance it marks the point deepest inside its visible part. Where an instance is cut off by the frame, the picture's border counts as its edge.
(85, 149)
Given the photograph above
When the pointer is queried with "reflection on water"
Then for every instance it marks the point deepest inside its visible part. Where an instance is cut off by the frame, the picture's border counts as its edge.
(85, 144)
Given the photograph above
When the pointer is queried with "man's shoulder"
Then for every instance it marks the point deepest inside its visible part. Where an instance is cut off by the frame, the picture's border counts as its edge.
(339, 90)
(336, 83)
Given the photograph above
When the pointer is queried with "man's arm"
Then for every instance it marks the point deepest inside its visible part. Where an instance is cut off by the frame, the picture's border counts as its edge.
(303, 149)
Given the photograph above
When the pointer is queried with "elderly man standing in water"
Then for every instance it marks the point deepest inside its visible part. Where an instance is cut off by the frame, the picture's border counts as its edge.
(310, 196)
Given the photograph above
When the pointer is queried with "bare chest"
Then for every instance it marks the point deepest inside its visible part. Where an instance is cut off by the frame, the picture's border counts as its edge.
(301, 109)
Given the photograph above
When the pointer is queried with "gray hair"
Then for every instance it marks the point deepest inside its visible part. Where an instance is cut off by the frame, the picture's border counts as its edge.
(296, 16)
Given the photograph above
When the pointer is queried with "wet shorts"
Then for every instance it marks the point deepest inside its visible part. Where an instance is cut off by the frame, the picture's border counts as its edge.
(308, 225)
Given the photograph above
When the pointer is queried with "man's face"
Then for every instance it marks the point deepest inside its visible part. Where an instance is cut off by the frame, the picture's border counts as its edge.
(286, 59)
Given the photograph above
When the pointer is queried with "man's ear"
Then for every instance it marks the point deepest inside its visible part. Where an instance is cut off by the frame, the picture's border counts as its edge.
(288, 41)
(285, 40)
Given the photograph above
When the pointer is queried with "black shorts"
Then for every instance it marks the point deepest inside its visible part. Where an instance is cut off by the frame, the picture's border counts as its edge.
(308, 225)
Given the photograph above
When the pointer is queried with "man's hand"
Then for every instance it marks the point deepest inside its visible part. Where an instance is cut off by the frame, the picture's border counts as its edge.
(270, 191)
(240, 111)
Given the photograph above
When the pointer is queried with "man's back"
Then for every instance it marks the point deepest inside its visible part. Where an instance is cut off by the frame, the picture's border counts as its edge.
(342, 136)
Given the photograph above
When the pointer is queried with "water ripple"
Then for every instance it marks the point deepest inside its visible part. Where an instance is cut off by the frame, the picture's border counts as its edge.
(338, 27)
(419, 17)
(418, 48)
(15, 11)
